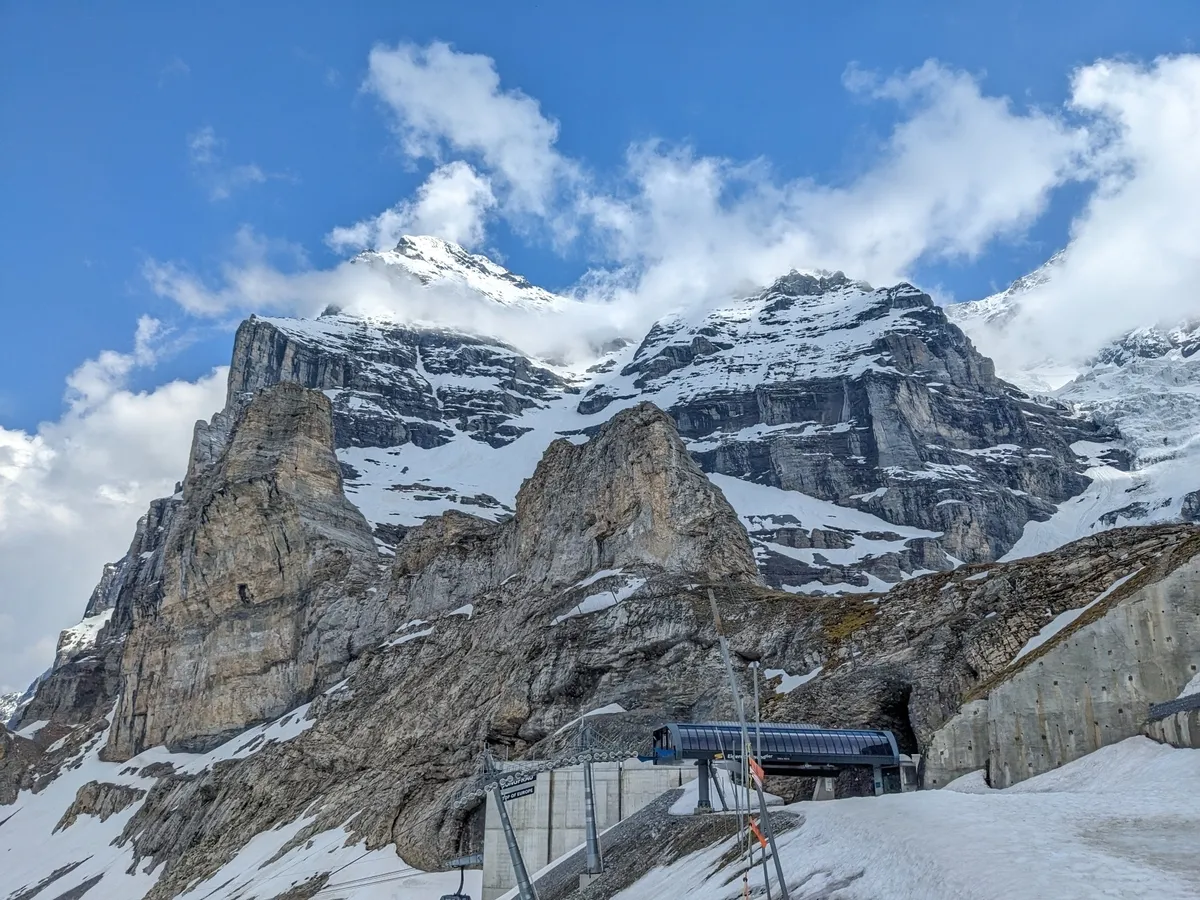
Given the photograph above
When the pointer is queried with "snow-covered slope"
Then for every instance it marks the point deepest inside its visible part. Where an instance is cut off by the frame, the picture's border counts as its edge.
(434, 261)
(1121, 822)
(1144, 385)
(82, 852)
(8, 706)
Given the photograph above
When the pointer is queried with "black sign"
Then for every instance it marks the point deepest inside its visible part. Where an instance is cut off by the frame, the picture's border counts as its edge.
(518, 791)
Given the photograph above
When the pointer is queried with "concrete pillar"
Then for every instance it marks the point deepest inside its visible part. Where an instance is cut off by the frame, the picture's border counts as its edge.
(703, 803)
(877, 775)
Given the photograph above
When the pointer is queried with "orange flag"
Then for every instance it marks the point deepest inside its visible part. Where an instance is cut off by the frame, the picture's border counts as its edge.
(758, 834)
(756, 771)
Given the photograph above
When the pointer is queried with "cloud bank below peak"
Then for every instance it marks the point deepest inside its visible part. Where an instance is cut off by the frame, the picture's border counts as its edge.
(672, 228)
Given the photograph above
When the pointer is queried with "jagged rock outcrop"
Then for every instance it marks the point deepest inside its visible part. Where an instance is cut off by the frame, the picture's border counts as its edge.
(99, 799)
(264, 585)
(17, 754)
(8, 706)
(85, 677)
(628, 499)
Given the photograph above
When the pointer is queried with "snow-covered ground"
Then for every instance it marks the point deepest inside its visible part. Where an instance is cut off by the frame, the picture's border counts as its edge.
(31, 850)
(1120, 823)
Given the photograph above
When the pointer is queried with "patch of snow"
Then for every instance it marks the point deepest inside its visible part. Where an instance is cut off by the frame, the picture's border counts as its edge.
(597, 602)
(364, 874)
(1192, 687)
(81, 637)
(602, 711)
(685, 805)
(789, 683)
(410, 636)
(594, 577)
(30, 731)
(467, 610)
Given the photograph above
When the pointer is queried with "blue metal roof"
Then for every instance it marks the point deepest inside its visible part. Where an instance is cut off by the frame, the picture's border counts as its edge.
(783, 746)
(1183, 704)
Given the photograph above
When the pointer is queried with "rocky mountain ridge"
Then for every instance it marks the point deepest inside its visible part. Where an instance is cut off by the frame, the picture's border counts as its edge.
(873, 440)
(398, 546)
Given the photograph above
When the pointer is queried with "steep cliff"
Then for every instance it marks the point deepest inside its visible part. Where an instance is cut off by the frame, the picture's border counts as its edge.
(264, 577)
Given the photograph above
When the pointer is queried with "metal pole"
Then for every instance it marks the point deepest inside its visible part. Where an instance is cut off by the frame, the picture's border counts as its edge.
(758, 755)
(762, 802)
(595, 863)
(524, 885)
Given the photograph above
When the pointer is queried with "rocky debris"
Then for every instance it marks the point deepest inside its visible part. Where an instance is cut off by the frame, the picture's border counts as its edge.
(1190, 511)
(99, 799)
(263, 590)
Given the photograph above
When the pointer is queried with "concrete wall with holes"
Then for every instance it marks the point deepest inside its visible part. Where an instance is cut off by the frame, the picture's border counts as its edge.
(549, 822)
(1092, 688)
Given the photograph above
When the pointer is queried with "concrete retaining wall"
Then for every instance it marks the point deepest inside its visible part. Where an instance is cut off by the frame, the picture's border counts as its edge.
(549, 822)
(1092, 688)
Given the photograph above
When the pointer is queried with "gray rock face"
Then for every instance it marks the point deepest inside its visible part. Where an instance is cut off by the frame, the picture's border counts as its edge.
(629, 499)
(393, 385)
(85, 677)
(263, 585)
(868, 399)
(16, 756)
(1191, 507)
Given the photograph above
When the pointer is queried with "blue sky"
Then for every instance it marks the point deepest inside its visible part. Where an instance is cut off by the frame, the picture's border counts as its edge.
(166, 169)
(98, 108)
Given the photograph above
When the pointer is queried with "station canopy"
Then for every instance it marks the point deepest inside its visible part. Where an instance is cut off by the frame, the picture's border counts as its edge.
(786, 749)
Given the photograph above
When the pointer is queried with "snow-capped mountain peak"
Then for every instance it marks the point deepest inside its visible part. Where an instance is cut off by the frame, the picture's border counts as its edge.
(432, 261)
(1003, 306)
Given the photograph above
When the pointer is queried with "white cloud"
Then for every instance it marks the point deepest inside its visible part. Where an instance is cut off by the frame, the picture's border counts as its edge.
(445, 101)
(452, 204)
(673, 227)
(71, 492)
(1134, 253)
(221, 180)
